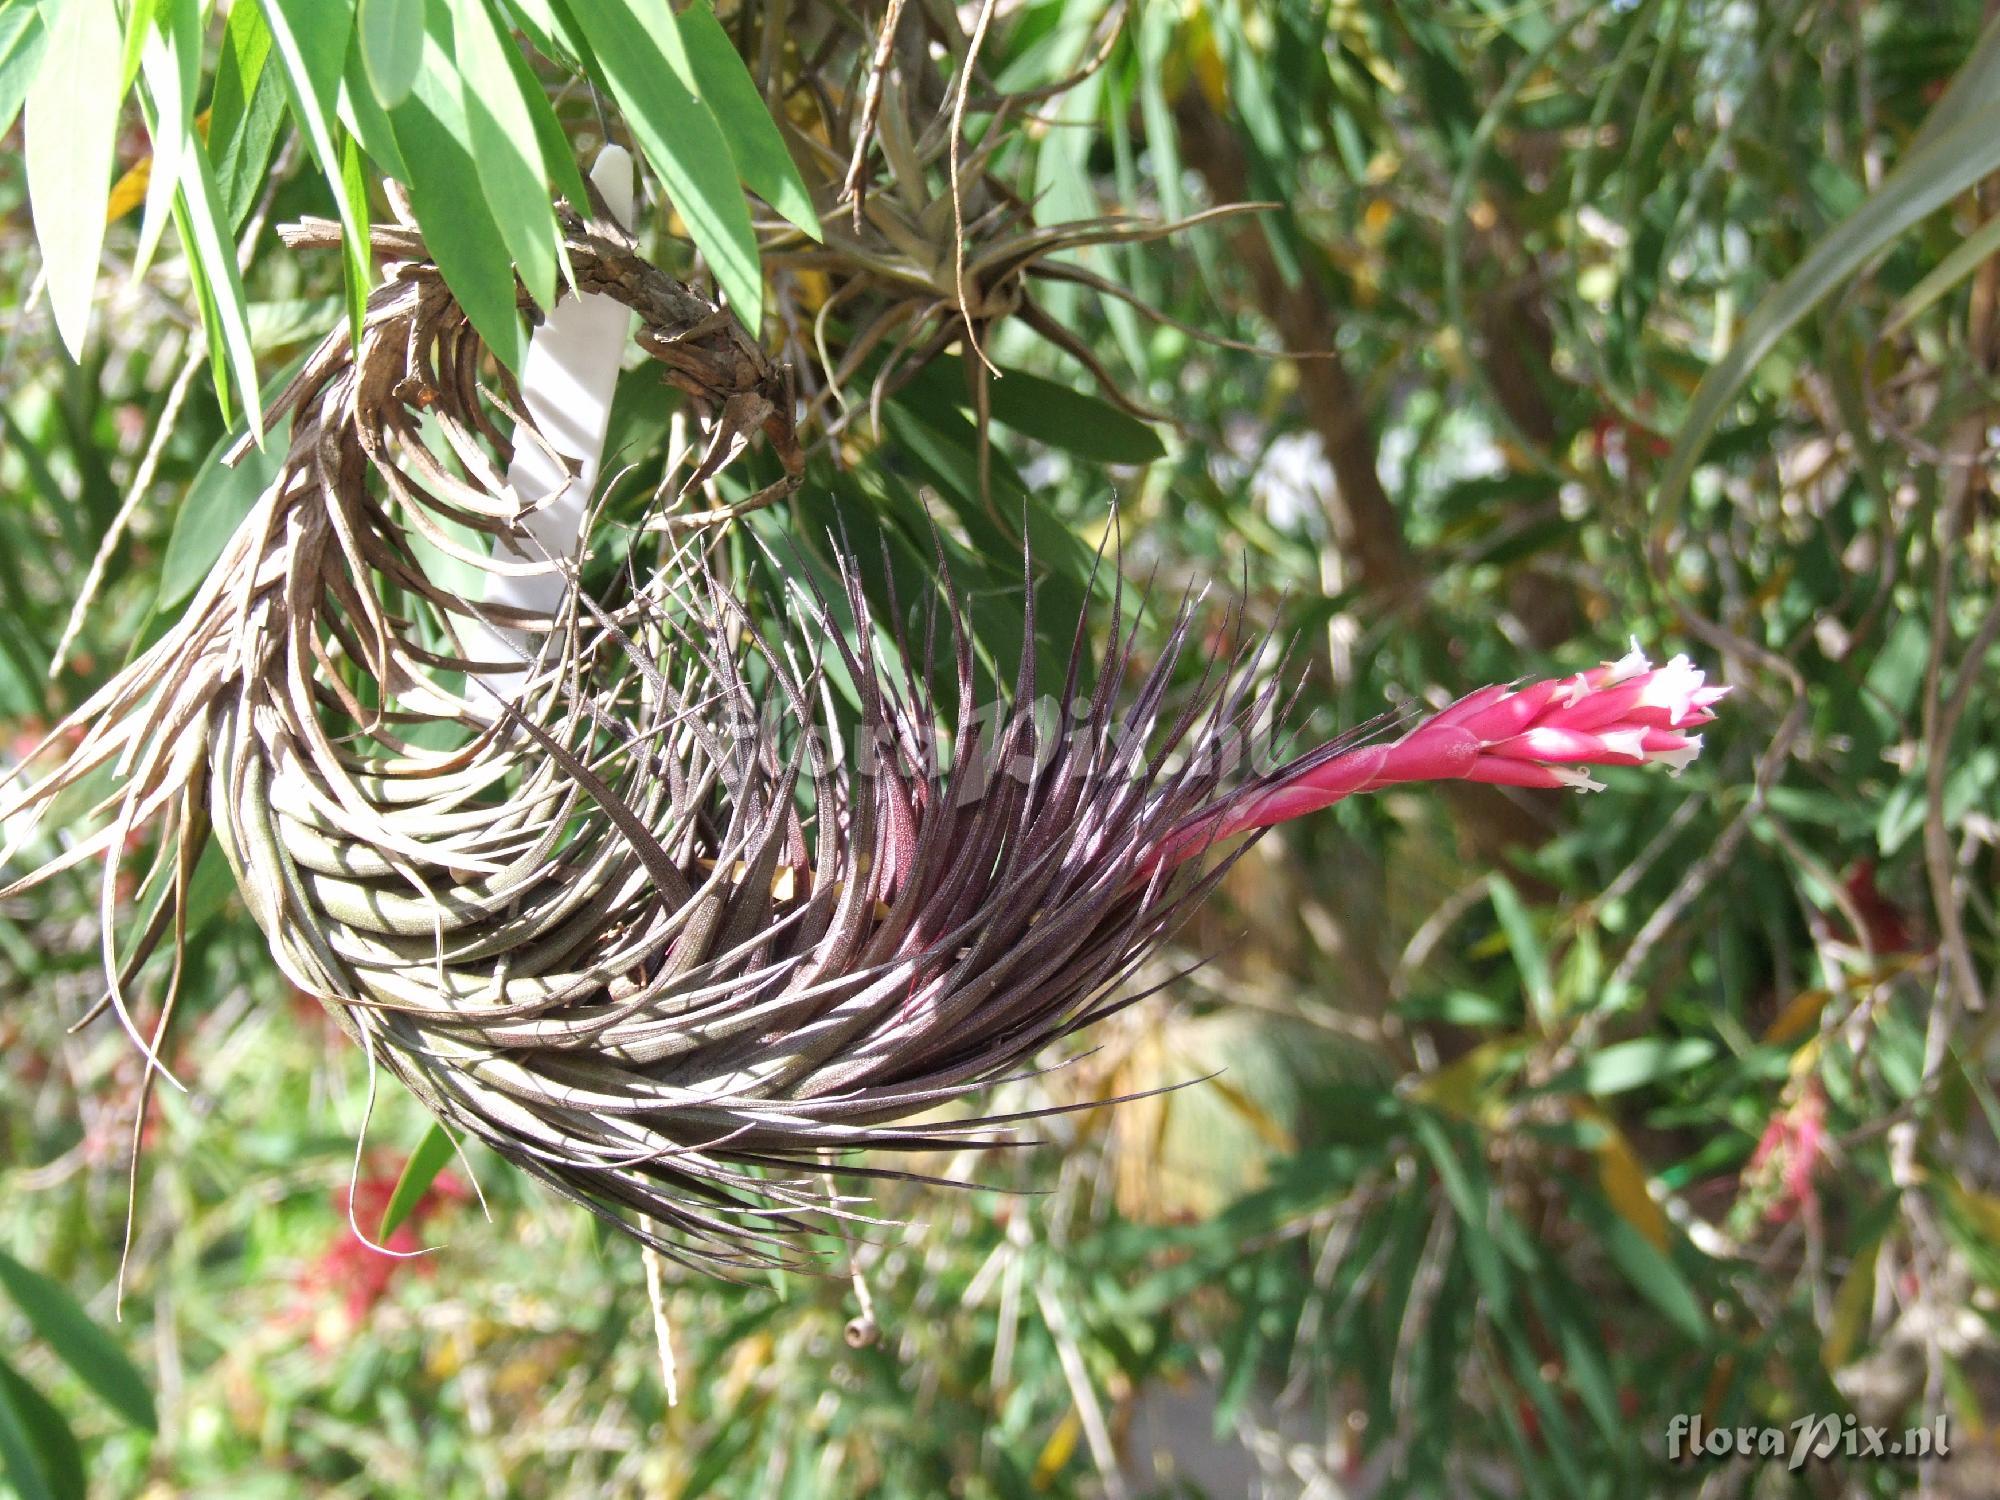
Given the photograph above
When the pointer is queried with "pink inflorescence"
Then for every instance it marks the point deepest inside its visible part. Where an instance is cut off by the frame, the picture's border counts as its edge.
(1624, 713)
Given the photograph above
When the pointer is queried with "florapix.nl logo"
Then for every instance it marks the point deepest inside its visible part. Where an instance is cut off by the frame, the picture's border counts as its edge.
(1815, 1438)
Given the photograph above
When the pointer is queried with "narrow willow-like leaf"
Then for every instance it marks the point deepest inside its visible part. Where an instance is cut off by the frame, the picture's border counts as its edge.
(432, 1155)
(171, 55)
(312, 38)
(79, 1342)
(365, 118)
(500, 131)
(392, 46)
(643, 62)
(449, 200)
(1965, 258)
(246, 108)
(558, 155)
(70, 129)
(553, 33)
(199, 207)
(355, 273)
(22, 38)
(1945, 165)
(47, 1431)
(724, 84)
(139, 17)
(1050, 412)
(216, 503)
(20, 1462)
(211, 314)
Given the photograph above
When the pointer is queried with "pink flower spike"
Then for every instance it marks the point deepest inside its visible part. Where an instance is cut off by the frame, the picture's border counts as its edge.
(1494, 771)
(1623, 713)
(1614, 747)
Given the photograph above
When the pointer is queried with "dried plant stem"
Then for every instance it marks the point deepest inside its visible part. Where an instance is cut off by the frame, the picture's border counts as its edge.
(135, 494)
(663, 1332)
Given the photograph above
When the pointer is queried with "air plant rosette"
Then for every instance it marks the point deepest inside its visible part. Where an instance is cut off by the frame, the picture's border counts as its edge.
(699, 896)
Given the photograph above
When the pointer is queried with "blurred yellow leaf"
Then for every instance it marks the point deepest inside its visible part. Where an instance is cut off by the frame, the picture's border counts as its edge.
(1057, 1450)
(1852, 1303)
(1269, 1131)
(1623, 1177)
(1464, 1087)
(129, 191)
(1800, 1015)
(1979, 1209)
(1211, 74)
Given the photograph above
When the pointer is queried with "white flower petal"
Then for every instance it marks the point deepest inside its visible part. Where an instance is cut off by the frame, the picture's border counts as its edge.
(1581, 781)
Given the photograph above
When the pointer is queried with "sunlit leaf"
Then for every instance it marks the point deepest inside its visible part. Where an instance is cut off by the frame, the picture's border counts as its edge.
(432, 1155)
(70, 128)
(449, 201)
(22, 37)
(725, 86)
(392, 46)
(172, 59)
(500, 130)
(246, 108)
(201, 217)
(643, 61)
(311, 37)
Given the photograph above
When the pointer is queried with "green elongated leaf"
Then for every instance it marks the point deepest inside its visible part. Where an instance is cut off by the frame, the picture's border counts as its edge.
(432, 1155)
(355, 278)
(1945, 165)
(392, 46)
(217, 502)
(22, 38)
(198, 209)
(139, 16)
(77, 1340)
(211, 315)
(1973, 251)
(446, 195)
(1651, 1273)
(506, 147)
(1530, 957)
(722, 83)
(553, 33)
(1975, 85)
(1050, 412)
(172, 57)
(48, 1434)
(558, 155)
(21, 1462)
(1633, 1064)
(1470, 1201)
(246, 107)
(643, 62)
(311, 37)
(362, 113)
(71, 129)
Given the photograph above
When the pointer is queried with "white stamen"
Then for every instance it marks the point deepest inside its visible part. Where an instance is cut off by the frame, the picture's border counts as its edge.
(1630, 742)
(1581, 781)
(1673, 687)
(1632, 664)
(1677, 761)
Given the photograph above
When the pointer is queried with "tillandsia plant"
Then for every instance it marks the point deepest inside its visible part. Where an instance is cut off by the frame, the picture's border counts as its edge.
(639, 902)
